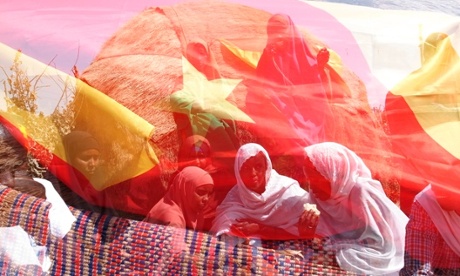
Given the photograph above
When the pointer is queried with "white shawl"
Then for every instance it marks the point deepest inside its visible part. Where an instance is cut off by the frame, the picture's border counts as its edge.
(447, 222)
(280, 205)
(366, 228)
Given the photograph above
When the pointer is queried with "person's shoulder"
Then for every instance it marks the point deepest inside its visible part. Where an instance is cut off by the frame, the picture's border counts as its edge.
(288, 181)
(231, 199)
(177, 221)
(173, 218)
(369, 187)
(417, 209)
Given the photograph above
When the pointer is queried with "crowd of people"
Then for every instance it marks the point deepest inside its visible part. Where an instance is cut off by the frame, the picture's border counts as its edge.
(367, 231)
(250, 200)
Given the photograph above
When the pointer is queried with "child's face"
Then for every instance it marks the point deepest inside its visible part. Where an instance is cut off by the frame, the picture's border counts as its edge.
(253, 171)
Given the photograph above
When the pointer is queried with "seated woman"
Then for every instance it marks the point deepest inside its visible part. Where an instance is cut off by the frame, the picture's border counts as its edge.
(432, 240)
(365, 227)
(184, 202)
(87, 169)
(288, 91)
(263, 204)
(83, 153)
(196, 151)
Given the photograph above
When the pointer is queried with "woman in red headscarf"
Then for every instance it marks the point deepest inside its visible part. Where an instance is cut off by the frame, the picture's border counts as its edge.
(183, 204)
(196, 151)
(286, 59)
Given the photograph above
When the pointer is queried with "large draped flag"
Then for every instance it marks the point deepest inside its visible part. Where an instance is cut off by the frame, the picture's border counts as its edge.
(45, 109)
(149, 74)
(423, 112)
(229, 96)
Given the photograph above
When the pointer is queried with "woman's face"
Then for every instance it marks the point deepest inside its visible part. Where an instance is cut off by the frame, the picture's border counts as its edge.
(319, 185)
(198, 56)
(197, 157)
(201, 197)
(253, 171)
(87, 161)
(278, 34)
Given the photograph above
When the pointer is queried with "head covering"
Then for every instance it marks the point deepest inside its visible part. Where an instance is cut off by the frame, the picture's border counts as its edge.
(77, 141)
(207, 66)
(447, 222)
(288, 89)
(292, 62)
(366, 228)
(175, 207)
(191, 146)
(280, 205)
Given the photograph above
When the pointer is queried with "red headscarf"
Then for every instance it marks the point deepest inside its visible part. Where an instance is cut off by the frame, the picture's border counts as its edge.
(286, 59)
(190, 148)
(288, 91)
(175, 207)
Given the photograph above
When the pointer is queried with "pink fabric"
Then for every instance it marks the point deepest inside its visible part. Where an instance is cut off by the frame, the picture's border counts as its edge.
(175, 207)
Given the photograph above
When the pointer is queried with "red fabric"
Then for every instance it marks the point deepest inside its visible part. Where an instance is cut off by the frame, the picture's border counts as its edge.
(142, 60)
(199, 55)
(286, 59)
(288, 90)
(420, 159)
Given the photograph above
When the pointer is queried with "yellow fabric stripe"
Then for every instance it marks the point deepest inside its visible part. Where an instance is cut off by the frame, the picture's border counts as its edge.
(432, 92)
(122, 133)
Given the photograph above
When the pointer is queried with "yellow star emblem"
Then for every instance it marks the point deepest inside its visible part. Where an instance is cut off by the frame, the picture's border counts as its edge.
(200, 95)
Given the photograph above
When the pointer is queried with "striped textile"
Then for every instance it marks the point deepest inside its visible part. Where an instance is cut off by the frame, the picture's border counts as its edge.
(106, 245)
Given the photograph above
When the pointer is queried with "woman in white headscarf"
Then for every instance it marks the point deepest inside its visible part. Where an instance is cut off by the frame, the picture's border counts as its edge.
(365, 227)
(263, 204)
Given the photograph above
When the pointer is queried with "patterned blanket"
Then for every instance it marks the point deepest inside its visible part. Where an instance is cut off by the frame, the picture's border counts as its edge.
(106, 245)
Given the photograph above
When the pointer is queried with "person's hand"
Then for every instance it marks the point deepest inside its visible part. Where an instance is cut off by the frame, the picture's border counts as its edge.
(197, 107)
(322, 57)
(245, 227)
(308, 221)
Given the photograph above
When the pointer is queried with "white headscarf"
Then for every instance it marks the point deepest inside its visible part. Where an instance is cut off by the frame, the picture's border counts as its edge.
(447, 222)
(366, 228)
(280, 205)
